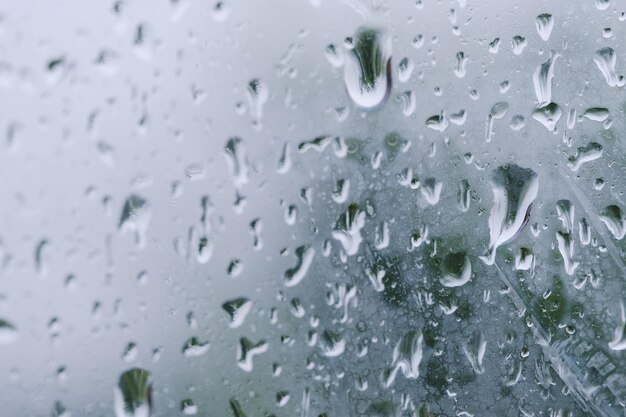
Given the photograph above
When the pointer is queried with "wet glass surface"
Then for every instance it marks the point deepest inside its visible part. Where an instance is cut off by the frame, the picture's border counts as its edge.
(312, 208)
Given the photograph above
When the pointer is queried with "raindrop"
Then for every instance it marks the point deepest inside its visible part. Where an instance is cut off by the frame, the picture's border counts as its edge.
(347, 230)
(456, 270)
(613, 217)
(587, 153)
(294, 275)
(133, 394)
(542, 80)
(193, 347)
(548, 116)
(237, 310)
(518, 43)
(135, 217)
(514, 191)
(605, 60)
(405, 69)
(367, 70)
(247, 350)
(461, 62)
(544, 23)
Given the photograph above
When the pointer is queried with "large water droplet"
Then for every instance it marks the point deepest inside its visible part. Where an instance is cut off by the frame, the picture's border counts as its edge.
(133, 394)
(544, 23)
(518, 43)
(514, 190)
(461, 62)
(613, 217)
(257, 94)
(333, 344)
(305, 254)
(619, 335)
(542, 80)
(587, 153)
(135, 217)
(8, 332)
(237, 309)
(367, 70)
(237, 161)
(456, 270)
(247, 350)
(348, 229)
(407, 356)
(605, 60)
(548, 115)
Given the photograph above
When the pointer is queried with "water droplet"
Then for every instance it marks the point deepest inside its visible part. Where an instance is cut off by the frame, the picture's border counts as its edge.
(438, 122)
(587, 153)
(602, 4)
(318, 144)
(304, 254)
(237, 310)
(461, 62)
(517, 122)
(407, 356)
(237, 161)
(282, 398)
(459, 118)
(333, 344)
(409, 102)
(418, 41)
(613, 217)
(598, 183)
(235, 268)
(619, 335)
(605, 60)
(347, 230)
(524, 259)
(257, 94)
(494, 46)
(334, 55)
(565, 211)
(597, 114)
(130, 352)
(544, 23)
(542, 80)
(367, 70)
(548, 116)
(8, 332)
(193, 347)
(431, 190)
(133, 394)
(135, 217)
(220, 11)
(474, 351)
(565, 244)
(236, 408)
(456, 270)
(284, 163)
(514, 191)
(188, 407)
(342, 188)
(498, 111)
(463, 196)
(518, 43)
(405, 69)
(59, 410)
(247, 350)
